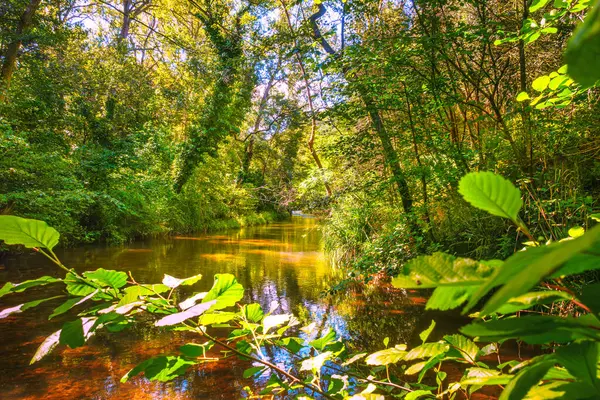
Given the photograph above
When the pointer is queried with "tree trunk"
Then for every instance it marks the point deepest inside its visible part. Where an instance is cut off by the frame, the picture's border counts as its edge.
(391, 157)
(12, 50)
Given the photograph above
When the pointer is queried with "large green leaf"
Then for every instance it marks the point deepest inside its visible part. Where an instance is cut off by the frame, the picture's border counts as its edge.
(72, 335)
(253, 312)
(27, 232)
(226, 291)
(581, 360)
(492, 193)
(323, 341)
(441, 269)
(537, 4)
(519, 279)
(160, 368)
(529, 377)
(196, 350)
(467, 349)
(20, 287)
(447, 298)
(75, 333)
(583, 51)
(70, 303)
(387, 356)
(25, 306)
(218, 317)
(315, 363)
(114, 279)
(427, 350)
(79, 287)
(535, 329)
(589, 297)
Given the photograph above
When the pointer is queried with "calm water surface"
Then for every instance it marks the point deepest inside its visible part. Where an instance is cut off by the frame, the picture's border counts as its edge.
(279, 262)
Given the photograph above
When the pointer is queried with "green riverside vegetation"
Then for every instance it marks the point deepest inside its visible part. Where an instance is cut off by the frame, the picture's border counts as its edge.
(450, 147)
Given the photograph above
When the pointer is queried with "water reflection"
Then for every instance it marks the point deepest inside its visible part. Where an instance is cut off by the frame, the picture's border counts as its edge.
(280, 262)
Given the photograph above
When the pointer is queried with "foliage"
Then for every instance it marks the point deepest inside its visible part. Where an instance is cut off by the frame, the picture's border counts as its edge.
(324, 366)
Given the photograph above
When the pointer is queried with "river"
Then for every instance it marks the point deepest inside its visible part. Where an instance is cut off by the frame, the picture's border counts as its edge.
(280, 262)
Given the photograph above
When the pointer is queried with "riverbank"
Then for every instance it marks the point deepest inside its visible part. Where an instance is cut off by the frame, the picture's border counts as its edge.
(212, 226)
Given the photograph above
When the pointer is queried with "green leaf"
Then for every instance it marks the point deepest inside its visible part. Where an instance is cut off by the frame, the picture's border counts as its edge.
(64, 307)
(46, 347)
(252, 371)
(387, 356)
(523, 96)
(583, 50)
(447, 298)
(20, 287)
(535, 329)
(316, 363)
(440, 269)
(415, 368)
(589, 297)
(327, 338)
(253, 312)
(147, 290)
(196, 350)
(556, 82)
(216, 318)
(425, 334)
(77, 286)
(162, 368)
(27, 232)
(418, 394)
(114, 279)
(226, 291)
(72, 334)
(491, 193)
(294, 344)
(191, 312)
(581, 360)
(540, 84)
(25, 306)
(173, 282)
(467, 349)
(486, 380)
(576, 232)
(427, 350)
(537, 4)
(529, 377)
(520, 280)
(531, 299)
(271, 321)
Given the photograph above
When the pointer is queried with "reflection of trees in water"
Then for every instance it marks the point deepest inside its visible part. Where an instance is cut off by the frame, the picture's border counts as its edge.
(373, 316)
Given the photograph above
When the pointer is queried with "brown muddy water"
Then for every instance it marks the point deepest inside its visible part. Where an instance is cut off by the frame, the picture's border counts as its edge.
(280, 262)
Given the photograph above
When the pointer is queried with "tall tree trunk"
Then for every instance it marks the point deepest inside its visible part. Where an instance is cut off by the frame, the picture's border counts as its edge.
(12, 50)
(127, 8)
(390, 154)
(422, 176)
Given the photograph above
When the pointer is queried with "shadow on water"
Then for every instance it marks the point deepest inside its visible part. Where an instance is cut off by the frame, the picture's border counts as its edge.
(280, 262)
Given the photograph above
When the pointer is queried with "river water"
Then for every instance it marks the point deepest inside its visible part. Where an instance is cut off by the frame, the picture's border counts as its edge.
(280, 262)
